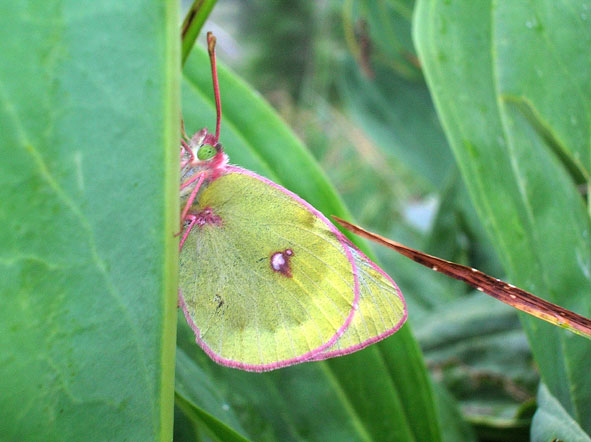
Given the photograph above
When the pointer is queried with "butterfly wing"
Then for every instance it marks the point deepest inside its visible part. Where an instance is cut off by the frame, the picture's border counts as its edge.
(381, 309)
(266, 280)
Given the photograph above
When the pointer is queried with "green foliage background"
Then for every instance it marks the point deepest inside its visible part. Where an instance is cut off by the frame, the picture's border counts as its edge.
(459, 128)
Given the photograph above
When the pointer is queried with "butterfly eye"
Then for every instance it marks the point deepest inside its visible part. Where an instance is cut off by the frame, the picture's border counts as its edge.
(206, 152)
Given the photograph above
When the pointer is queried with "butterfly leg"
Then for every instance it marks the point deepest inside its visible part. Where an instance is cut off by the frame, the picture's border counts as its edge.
(192, 220)
(200, 177)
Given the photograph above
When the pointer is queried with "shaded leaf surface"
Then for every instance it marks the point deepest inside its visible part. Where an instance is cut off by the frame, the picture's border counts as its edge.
(553, 422)
(87, 185)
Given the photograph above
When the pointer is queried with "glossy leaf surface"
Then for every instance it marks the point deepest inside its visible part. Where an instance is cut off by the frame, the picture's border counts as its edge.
(508, 85)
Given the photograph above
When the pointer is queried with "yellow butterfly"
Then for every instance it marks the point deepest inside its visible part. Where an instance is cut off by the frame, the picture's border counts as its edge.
(266, 281)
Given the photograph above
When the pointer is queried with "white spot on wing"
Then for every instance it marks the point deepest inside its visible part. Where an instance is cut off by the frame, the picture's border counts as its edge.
(277, 261)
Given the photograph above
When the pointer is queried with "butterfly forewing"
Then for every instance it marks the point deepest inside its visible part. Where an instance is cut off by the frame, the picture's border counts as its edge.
(266, 281)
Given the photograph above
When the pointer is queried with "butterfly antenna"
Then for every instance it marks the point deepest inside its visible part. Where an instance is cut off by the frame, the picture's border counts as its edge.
(216, 87)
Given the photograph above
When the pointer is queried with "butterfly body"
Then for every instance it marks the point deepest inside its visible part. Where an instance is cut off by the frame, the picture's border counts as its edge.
(266, 280)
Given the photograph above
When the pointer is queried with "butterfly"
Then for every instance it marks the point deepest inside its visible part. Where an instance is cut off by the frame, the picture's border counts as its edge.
(266, 280)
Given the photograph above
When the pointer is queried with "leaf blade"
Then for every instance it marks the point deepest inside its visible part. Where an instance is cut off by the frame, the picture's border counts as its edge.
(80, 356)
(522, 190)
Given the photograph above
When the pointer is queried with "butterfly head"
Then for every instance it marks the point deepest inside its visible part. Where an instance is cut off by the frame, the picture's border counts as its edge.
(202, 152)
(205, 152)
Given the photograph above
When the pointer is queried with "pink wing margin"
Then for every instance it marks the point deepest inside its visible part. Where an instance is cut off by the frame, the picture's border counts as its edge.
(345, 351)
(309, 356)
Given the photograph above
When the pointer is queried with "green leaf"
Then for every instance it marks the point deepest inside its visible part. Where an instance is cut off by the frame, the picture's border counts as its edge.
(192, 384)
(453, 427)
(214, 428)
(471, 331)
(185, 428)
(89, 119)
(553, 45)
(192, 24)
(510, 82)
(553, 422)
(380, 393)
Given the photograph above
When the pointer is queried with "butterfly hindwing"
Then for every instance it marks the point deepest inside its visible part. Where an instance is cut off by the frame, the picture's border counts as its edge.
(381, 309)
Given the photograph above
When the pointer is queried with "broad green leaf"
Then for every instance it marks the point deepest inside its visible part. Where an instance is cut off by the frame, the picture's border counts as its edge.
(510, 82)
(213, 427)
(553, 47)
(381, 393)
(553, 422)
(89, 119)
(185, 428)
